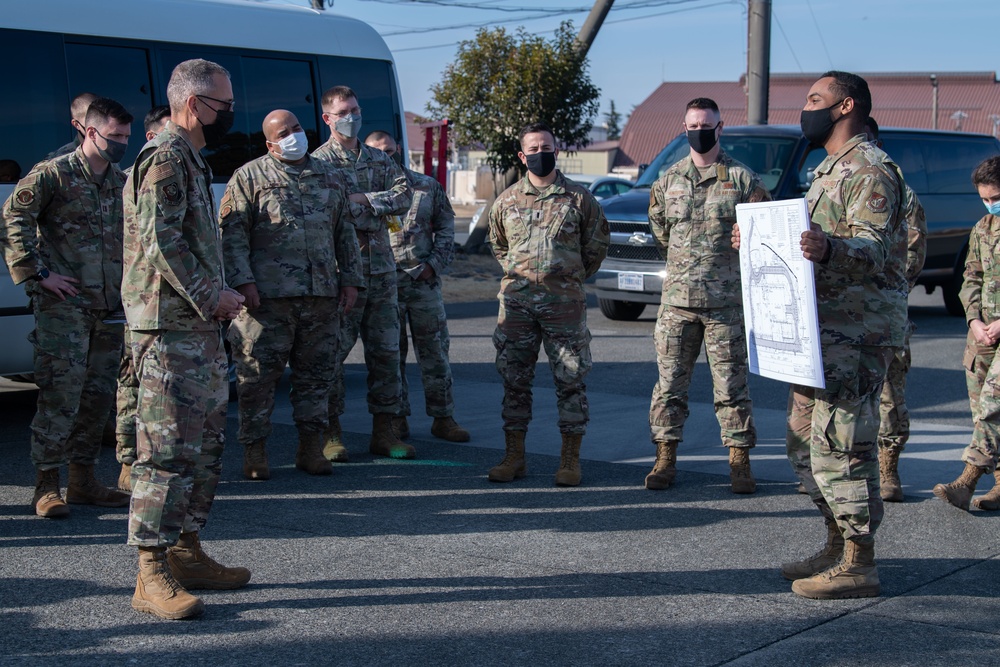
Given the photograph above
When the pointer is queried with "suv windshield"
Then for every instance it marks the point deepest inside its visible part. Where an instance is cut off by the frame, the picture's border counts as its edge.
(769, 157)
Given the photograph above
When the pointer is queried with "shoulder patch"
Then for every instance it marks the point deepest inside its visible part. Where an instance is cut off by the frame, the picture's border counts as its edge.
(877, 203)
(25, 196)
(172, 193)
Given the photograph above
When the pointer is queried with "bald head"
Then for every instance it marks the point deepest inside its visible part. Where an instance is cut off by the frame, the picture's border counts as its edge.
(78, 108)
(382, 141)
(284, 136)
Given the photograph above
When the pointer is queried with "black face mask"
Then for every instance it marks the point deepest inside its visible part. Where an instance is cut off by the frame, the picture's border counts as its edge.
(217, 131)
(541, 164)
(115, 150)
(817, 124)
(704, 140)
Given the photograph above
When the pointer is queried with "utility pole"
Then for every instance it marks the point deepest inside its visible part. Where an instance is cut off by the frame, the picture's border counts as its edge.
(758, 60)
(588, 33)
(934, 102)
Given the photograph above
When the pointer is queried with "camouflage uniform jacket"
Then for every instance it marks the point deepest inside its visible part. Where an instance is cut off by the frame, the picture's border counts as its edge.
(692, 219)
(428, 234)
(173, 253)
(61, 219)
(66, 149)
(382, 181)
(286, 227)
(548, 241)
(861, 289)
(916, 235)
(981, 290)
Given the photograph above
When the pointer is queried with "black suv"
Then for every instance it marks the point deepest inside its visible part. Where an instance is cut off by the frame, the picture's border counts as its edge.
(937, 165)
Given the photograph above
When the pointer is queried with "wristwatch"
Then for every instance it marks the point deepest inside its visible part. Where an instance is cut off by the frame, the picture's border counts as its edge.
(41, 275)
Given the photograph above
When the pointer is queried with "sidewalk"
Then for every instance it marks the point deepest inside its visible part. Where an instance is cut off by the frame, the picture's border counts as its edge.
(425, 562)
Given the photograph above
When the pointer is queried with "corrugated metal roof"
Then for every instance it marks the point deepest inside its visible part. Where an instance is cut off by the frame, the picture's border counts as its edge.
(900, 99)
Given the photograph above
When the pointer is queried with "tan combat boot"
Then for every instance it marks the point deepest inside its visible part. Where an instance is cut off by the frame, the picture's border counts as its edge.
(890, 487)
(448, 429)
(125, 479)
(255, 465)
(333, 445)
(384, 441)
(158, 593)
(991, 501)
(84, 489)
(193, 568)
(959, 492)
(826, 558)
(569, 460)
(401, 427)
(740, 476)
(665, 468)
(513, 466)
(309, 456)
(855, 576)
(47, 501)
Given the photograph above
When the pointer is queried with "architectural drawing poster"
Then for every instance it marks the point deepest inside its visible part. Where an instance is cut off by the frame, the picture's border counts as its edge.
(779, 293)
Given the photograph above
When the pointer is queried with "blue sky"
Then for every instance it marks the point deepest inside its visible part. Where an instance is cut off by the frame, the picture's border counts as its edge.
(641, 44)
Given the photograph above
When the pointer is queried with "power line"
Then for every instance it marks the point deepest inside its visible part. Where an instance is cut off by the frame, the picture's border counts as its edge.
(774, 15)
(820, 32)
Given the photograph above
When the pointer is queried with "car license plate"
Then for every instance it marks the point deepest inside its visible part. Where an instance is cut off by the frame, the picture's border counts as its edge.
(630, 281)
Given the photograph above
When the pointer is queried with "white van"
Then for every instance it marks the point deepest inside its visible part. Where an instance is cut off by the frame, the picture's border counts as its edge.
(279, 56)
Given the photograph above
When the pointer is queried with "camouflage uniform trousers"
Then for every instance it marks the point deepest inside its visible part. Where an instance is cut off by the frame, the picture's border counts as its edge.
(180, 433)
(422, 307)
(127, 398)
(522, 328)
(678, 338)
(982, 378)
(832, 434)
(375, 317)
(894, 416)
(76, 356)
(299, 331)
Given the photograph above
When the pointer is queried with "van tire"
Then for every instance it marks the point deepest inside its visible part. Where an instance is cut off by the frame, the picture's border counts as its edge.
(621, 310)
(950, 289)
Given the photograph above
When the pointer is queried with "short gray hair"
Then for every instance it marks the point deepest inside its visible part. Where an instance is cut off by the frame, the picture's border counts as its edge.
(192, 77)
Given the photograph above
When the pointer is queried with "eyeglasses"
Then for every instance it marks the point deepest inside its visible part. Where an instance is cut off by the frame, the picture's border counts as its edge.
(345, 114)
(228, 104)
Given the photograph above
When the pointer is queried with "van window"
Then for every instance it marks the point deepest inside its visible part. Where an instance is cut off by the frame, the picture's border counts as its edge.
(950, 162)
(907, 153)
(273, 83)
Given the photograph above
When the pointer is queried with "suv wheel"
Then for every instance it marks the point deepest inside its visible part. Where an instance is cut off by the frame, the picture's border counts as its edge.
(621, 310)
(951, 288)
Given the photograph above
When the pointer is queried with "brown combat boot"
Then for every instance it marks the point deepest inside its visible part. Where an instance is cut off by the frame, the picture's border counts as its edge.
(384, 441)
(740, 476)
(448, 429)
(824, 559)
(125, 479)
(193, 568)
(991, 501)
(255, 465)
(959, 492)
(569, 461)
(401, 427)
(890, 487)
(158, 593)
(309, 456)
(47, 501)
(513, 466)
(333, 445)
(855, 576)
(84, 489)
(665, 468)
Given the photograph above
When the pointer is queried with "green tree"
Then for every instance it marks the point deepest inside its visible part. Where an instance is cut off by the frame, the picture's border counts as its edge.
(613, 119)
(500, 82)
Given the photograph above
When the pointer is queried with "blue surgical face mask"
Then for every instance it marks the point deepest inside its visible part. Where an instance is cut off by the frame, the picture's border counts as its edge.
(993, 208)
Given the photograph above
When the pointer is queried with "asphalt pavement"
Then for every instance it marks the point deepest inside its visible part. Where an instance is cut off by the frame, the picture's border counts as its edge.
(425, 562)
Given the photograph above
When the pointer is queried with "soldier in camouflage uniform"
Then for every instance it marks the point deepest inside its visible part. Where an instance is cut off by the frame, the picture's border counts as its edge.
(981, 297)
(378, 191)
(128, 383)
(175, 298)
(64, 240)
(423, 248)
(291, 250)
(692, 210)
(78, 107)
(549, 235)
(894, 416)
(855, 244)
